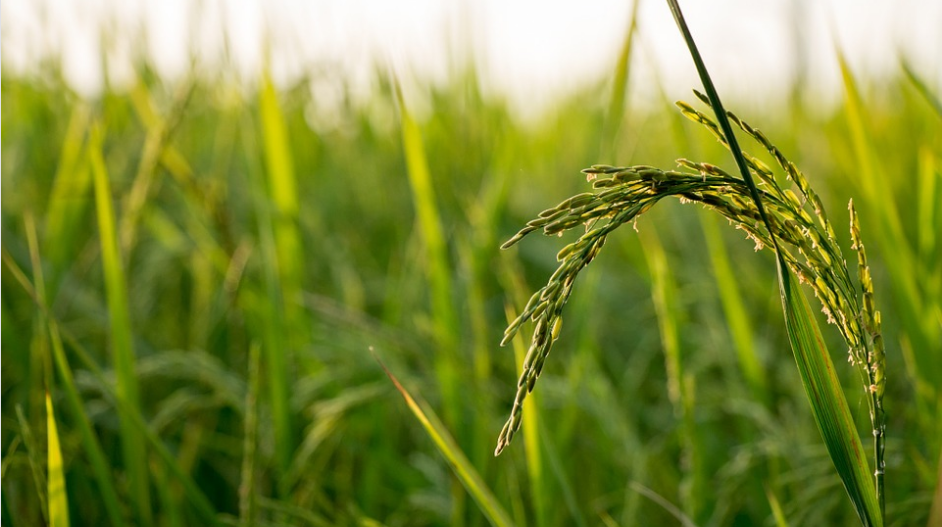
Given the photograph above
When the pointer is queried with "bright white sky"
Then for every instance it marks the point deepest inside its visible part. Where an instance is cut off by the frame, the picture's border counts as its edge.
(530, 50)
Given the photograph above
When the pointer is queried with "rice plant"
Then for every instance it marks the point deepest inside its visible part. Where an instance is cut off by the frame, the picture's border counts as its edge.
(810, 249)
(794, 225)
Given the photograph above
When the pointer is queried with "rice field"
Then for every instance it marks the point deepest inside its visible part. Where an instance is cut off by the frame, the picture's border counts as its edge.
(221, 308)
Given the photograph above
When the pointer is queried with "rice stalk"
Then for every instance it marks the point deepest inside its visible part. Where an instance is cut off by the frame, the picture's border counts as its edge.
(797, 220)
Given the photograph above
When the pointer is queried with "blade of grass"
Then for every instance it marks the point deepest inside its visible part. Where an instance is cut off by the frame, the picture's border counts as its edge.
(283, 189)
(69, 197)
(664, 293)
(776, 507)
(269, 320)
(89, 440)
(929, 219)
(132, 444)
(828, 404)
(58, 497)
(917, 311)
(492, 509)
(822, 387)
(445, 319)
(125, 411)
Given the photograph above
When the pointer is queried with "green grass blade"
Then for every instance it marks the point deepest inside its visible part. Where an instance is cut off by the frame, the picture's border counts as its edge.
(125, 411)
(917, 310)
(270, 321)
(283, 190)
(814, 364)
(828, 404)
(58, 497)
(132, 444)
(458, 462)
(428, 220)
(89, 440)
(531, 431)
(664, 294)
(90, 443)
(69, 197)
(776, 506)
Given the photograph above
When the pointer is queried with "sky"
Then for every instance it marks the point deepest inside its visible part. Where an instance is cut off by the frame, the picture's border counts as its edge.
(529, 51)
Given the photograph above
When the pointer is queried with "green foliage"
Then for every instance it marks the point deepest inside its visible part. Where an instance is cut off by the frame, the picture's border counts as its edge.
(212, 293)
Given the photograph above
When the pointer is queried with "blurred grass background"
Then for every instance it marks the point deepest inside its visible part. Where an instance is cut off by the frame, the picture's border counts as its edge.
(197, 272)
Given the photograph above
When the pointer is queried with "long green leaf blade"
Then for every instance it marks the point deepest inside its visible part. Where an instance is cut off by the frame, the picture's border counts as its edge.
(815, 367)
(132, 444)
(458, 462)
(828, 404)
(58, 498)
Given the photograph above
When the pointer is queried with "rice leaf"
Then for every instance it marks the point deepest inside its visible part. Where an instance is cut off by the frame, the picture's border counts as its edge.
(828, 404)
(429, 224)
(270, 308)
(69, 198)
(58, 497)
(132, 444)
(89, 440)
(469, 477)
(814, 364)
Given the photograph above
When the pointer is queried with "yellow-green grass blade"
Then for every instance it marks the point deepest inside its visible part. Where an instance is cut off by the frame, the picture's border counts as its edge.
(444, 317)
(283, 192)
(132, 445)
(89, 440)
(917, 309)
(828, 404)
(266, 310)
(664, 294)
(90, 443)
(929, 192)
(196, 496)
(58, 497)
(469, 477)
(776, 506)
(69, 198)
